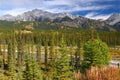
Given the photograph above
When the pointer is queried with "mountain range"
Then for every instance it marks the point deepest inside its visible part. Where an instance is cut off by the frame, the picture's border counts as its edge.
(66, 19)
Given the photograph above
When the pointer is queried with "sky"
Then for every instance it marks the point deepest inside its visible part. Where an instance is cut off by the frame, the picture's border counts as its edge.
(94, 9)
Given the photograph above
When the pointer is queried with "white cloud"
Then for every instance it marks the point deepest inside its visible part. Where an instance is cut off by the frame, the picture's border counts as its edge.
(15, 12)
(19, 3)
(103, 17)
(72, 5)
(16, 7)
(75, 8)
(97, 16)
(90, 8)
(57, 2)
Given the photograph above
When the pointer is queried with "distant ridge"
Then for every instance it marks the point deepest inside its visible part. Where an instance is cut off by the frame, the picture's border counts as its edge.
(66, 19)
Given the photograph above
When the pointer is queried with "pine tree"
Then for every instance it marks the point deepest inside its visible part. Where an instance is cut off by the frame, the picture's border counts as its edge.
(52, 48)
(78, 55)
(14, 44)
(32, 70)
(62, 64)
(11, 61)
(1, 62)
(1, 68)
(96, 53)
(46, 55)
(20, 55)
(20, 47)
(39, 48)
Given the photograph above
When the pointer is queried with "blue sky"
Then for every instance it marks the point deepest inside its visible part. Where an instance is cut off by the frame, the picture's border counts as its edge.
(95, 9)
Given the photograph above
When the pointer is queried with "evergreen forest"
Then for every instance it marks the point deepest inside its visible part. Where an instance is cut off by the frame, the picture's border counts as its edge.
(46, 51)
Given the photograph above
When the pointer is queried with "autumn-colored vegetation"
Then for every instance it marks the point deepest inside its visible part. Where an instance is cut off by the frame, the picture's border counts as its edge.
(95, 73)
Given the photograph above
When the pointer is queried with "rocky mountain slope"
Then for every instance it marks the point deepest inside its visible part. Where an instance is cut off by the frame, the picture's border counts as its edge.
(114, 20)
(36, 15)
(66, 20)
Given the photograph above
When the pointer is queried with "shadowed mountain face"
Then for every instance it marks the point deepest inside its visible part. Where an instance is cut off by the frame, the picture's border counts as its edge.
(114, 20)
(67, 20)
